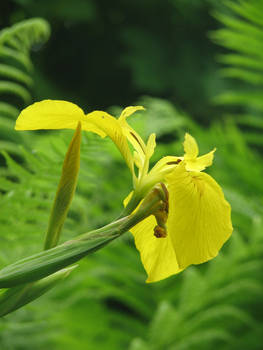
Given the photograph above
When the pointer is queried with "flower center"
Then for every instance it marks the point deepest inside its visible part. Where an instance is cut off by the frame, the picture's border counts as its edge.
(161, 215)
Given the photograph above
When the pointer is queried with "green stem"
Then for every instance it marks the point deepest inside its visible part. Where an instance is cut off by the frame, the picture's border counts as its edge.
(47, 262)
(132, 205)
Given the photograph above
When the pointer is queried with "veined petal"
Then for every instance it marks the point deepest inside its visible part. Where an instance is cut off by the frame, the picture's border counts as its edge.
(135, 140)
(138, 161)
(129, 111)
(111, 127)
(53, 114)
(190, 147)
(151, 144)
(133, 137)
(199, 220)
(150, 147)
(165, 163)
(200, 163)
(157, 254)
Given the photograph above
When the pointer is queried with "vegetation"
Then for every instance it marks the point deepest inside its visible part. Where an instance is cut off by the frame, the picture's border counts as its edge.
(107, 305)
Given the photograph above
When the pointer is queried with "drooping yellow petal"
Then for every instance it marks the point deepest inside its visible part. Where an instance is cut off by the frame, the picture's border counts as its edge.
(53, 114)
(111, 127)
(190, 147)
(199, 220)
(200, 163)
(129, 111)
(157, 254)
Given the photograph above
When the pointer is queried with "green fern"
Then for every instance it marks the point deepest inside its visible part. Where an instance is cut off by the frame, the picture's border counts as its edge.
(242, 35)
(16, 74)
(203, 307)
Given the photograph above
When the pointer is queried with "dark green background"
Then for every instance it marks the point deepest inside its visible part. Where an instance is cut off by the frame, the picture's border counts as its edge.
(104, 53)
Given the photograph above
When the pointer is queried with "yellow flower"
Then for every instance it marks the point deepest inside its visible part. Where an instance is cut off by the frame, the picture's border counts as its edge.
(194, 163)
(56, 114)
(198, 225)
(198, 221)
(199, 217)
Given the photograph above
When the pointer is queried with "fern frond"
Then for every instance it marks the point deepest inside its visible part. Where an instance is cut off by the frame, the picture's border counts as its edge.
(8, 110)
(8, 87)
(23, 35)
(17, 57)
(14, 73)
(197, 309)
(242, 35)
(16, 66)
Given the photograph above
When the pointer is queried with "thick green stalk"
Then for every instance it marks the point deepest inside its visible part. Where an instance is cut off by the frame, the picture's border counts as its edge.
(14, 298)
(47, 262)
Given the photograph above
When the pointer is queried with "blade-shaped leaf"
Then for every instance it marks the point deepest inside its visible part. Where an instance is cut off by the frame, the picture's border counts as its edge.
(16, 297)
(47, 262)
(65, 191)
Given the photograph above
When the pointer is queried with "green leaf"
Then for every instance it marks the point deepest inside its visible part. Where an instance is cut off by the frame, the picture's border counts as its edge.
(16, 74)
(8, 110)
(65, 191)
(14, 298)
(47, 262)
(8, 87)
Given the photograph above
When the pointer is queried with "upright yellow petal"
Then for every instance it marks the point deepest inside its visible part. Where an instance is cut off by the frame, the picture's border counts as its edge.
(133, 137)
(157, 254)
(150, 147)
(127, 199)
(129, 111)
(111, 127)
(199, 220)
(190, 147)
(166, 163)
(200, 163)
(138, 160)
(52, 114)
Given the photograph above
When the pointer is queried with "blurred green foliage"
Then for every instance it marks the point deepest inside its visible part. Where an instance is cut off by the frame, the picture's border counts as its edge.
(102, 54)
(125, 49)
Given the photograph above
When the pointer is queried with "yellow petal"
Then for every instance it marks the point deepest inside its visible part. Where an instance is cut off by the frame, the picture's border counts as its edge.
(127, 199)
(190, 147)
(129, 111)
(199, 220)
(111, 127)
(136, 141)
(150, 147)
(138, 161)
(157, 254)
(165, 163)
(133, 137)
(52, 114)
(200, 163)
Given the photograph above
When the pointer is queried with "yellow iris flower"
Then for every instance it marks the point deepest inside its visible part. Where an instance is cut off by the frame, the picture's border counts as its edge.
(198, 221)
